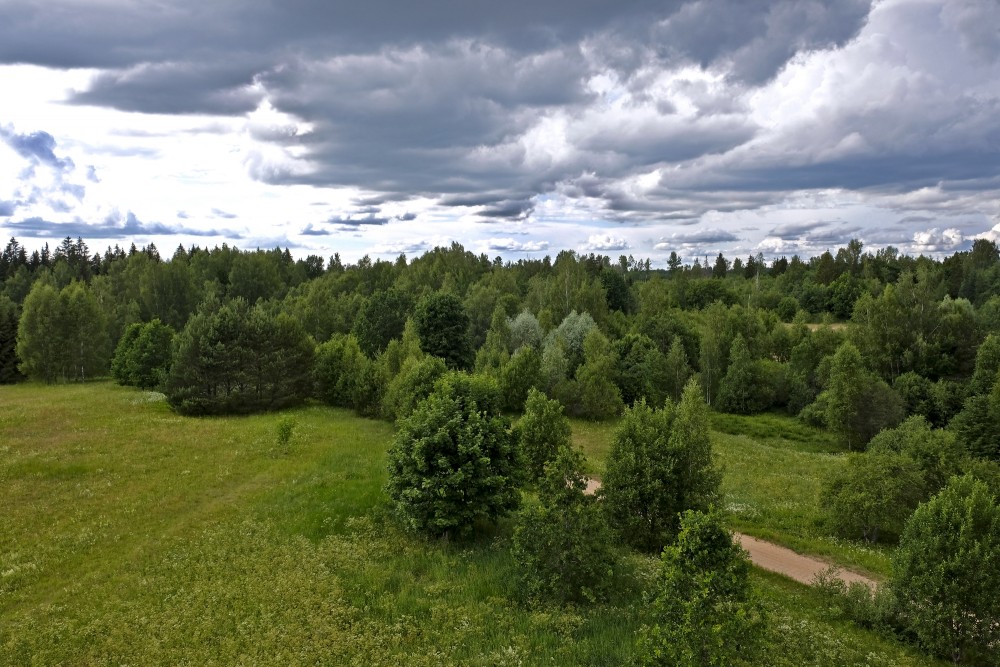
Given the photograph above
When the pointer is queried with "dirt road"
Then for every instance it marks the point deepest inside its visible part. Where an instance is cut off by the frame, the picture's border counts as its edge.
(774, 558)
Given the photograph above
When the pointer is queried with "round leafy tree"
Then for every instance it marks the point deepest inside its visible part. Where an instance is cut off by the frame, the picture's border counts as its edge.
(705, 609)
(453, 462)
(946, 573)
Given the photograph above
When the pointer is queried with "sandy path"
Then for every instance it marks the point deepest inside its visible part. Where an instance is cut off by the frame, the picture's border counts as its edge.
(769, 556)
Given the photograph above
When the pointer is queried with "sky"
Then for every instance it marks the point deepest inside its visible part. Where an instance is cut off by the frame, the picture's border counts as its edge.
(517, 129)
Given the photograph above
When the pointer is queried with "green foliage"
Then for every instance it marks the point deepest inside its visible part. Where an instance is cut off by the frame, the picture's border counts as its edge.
(572, 333)
(660, 464)
(453, 462)
(521, 374)
(858, 405)
(9, 316)
(873, 496)
(946, 573)
(742, 390)
(787, 307)
(975, 426)
(643, 371)
(917, 393)
(495, 352)
(443, 327)
(142, 357)
(525, 330)
(677, 370)
(381, 319)
(62, 335)
(232, 358)
(542, 432)
(599, 396)
(284, 432)
(937, 453)
(563, 546)
(987, 366)
(413, 384)
(339, 370)
(705, 609)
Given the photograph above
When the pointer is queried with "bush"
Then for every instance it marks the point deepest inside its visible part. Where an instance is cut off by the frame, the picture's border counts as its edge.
(142, 357)
(453, 461)
(705, 610)
(946, 573)
(873, 495)
(660, 464)
(339, 371)
(563, 545)
(541, 433)
(413, 384)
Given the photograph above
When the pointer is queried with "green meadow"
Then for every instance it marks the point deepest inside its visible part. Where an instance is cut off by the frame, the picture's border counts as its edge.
(132, 536)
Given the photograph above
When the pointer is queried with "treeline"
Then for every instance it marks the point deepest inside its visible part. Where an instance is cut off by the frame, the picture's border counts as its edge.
(594, 333)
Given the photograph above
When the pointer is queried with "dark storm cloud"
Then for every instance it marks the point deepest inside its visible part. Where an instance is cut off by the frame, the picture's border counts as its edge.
(112, 227)
(758, 36)
(177, 88)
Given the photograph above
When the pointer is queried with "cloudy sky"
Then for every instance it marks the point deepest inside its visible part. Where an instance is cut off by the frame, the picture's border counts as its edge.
(516, 128)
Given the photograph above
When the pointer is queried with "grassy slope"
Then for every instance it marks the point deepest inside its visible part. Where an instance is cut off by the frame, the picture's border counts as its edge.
(130, 535)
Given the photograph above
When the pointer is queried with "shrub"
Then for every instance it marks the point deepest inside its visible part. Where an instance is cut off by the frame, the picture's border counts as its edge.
(946, 573)
(142, 357)
(705, 610)
(541, 433)
(660, 464)
(563, 545)
(453, 461)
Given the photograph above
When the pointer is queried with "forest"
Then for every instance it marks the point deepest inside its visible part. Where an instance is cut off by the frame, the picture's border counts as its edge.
(478, 363)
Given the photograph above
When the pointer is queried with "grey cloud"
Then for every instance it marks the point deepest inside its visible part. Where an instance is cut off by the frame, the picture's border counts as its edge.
(836, 236)
(36, 146)
(757, 37)
(310, 230)
(401, 247)
(175, 88)
(514, 210)
(605, 243)
(796, 229)
(219, 213)
(700, 237)
(978, 24)
(511, 245)
(114, 226)
(7, 208)
(92, 174)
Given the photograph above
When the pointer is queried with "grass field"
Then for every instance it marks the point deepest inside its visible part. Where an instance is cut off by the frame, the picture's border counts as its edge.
(132, 536)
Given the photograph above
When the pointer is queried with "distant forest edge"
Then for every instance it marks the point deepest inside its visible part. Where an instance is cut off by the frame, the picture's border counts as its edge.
(225, 330)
